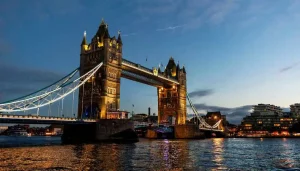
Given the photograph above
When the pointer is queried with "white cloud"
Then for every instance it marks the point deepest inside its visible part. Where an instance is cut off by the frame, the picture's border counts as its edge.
(129, 34)
(170, 28)
(193, 12)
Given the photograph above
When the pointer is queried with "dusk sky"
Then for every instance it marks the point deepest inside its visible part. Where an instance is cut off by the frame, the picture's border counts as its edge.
(237, 53)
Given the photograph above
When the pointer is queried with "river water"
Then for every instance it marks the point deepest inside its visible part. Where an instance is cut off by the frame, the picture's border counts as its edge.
(47, 153)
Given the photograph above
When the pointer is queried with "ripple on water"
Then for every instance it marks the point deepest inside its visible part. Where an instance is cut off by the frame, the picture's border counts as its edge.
(208, 154)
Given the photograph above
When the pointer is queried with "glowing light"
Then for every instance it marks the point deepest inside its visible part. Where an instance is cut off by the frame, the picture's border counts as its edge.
(85, 47)
(100, 44)
(84, 33)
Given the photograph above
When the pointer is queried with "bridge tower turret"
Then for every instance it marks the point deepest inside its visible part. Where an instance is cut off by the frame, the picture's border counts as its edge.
(102, 93)
(172, 98)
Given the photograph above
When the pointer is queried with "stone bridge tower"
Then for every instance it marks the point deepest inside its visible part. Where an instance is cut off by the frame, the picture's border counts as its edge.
(172, 98)
(101, 93)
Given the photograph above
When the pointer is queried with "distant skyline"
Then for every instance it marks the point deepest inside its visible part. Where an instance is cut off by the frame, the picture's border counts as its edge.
(236, 53)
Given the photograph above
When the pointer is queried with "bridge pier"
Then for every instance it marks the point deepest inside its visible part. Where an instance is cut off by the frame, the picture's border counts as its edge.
(187, 132)
(104, 130)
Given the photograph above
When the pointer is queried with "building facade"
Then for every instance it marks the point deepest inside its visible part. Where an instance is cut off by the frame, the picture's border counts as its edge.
(99, 98)
(295, 109)
(102, 93)
(172, 99)
(267, 119)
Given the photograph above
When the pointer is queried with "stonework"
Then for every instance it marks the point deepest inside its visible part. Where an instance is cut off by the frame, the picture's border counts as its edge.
(172, 98)
(102, 93)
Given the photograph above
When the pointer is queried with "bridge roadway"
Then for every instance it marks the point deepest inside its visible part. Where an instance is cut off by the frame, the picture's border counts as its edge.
(212, 130)
(24, 119)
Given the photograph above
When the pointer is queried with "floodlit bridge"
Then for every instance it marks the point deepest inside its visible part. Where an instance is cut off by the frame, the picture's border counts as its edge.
(101, 67)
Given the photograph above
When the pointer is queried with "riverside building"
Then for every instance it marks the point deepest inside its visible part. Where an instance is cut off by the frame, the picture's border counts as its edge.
(268, 120)
(295, 109)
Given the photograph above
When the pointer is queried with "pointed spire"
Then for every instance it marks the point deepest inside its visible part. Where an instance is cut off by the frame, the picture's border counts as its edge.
(183, 69)
(119, 37)
(84, 39)
(102, 22)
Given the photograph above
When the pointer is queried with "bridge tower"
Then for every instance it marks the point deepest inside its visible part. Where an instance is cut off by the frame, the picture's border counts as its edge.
(102, 93)
(172, 98)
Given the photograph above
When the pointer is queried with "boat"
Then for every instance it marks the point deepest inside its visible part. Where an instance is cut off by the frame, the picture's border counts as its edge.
(18, 132)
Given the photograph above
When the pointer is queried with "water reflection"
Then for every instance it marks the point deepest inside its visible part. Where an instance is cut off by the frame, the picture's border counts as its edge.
(218, 149)
(208, 154)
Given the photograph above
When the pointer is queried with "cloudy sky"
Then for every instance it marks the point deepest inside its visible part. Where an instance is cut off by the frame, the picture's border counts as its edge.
(237, 53)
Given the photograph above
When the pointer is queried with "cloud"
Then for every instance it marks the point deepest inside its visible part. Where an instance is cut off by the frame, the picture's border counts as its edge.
(170, 28)
(129, 34)
(201, 93)
(193, 12)
(289, 67)
(233, 115)
(17, 81)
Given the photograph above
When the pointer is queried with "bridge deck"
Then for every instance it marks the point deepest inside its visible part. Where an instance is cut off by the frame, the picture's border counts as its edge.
(213, 130)
(23, 119)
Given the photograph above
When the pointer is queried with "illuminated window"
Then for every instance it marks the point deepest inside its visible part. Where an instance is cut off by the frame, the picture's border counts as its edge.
(248, 125)
(276, 124)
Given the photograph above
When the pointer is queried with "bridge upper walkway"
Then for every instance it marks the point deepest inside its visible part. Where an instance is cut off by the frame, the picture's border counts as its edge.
(145, 74)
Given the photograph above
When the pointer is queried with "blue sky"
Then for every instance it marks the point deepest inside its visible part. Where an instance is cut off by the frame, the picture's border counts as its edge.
(237, 53)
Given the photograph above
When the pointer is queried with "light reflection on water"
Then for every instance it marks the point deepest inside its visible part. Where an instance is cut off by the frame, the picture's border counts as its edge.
(208, 154)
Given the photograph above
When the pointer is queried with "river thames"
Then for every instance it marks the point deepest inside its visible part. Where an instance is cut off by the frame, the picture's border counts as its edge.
(47, 153)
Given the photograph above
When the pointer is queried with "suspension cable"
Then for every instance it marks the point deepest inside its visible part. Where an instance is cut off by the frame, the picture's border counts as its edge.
(58, 108)
(92, 97)
(49, 110)
(62, 106)
(29, 104)
(82, 101)
(73, 104)
(202, 121)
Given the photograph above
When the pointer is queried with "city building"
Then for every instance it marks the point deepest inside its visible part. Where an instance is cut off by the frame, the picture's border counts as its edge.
(117, 115)
(212, 118)
(139, 117)
(267, 109)
(267, 119)
(295, 109)
(3, 128)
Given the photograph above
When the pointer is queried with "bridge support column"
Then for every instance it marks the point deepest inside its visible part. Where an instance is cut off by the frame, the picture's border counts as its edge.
(172, 98)
(102, 93)
(172, 105)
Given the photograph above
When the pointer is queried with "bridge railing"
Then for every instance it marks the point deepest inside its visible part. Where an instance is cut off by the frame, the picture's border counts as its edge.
(146, 69)
(7, 116)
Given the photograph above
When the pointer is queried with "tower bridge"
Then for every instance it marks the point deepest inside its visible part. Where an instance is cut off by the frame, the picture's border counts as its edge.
(170, 83)
(101, 67)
